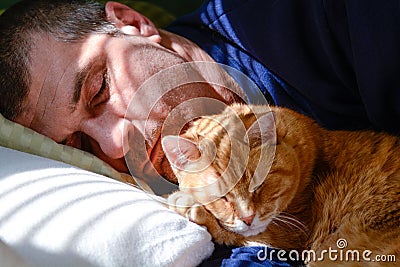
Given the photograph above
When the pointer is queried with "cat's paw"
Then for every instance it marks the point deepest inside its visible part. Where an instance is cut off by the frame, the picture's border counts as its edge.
(201, 216)
(181, 203)
(185, 205)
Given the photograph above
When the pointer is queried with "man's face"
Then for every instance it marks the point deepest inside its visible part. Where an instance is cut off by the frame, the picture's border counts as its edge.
(80, 94)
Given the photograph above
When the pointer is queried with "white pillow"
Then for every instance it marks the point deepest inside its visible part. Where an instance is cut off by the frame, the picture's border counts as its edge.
(53, 214)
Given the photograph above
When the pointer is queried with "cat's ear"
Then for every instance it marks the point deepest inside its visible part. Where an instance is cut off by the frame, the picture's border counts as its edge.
(261, 133)
(180, 151)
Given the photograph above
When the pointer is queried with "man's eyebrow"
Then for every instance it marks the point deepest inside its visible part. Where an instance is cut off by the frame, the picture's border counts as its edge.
(81, 77)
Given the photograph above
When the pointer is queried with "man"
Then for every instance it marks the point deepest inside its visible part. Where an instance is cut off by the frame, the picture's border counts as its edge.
(79, 82)
(76, 68)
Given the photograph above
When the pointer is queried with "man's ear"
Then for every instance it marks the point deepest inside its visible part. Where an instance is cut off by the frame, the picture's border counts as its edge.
(131, 22)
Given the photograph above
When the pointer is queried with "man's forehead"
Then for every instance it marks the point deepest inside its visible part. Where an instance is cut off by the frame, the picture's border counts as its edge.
(50, 62)
(54, 69)
(43, 57)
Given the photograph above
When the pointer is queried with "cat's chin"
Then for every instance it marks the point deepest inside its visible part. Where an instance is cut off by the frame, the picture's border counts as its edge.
(245, 230)
(253, 232)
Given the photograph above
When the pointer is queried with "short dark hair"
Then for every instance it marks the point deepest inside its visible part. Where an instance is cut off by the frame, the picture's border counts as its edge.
(65, 21)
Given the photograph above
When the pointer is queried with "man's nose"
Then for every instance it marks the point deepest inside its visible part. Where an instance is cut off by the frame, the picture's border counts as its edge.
(111, 134)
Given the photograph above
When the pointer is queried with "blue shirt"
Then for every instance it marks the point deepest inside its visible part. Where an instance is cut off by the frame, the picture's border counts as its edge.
(334, 60)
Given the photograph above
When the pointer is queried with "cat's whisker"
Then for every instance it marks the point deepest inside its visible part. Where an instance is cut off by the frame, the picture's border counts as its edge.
(282, 221)
(294, 219)
(301, 227)
(275, 223)
(285, 220)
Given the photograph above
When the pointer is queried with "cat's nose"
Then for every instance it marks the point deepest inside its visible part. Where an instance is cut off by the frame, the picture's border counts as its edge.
(248, 220)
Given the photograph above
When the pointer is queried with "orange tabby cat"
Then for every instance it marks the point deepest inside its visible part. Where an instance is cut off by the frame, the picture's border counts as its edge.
(273, 176)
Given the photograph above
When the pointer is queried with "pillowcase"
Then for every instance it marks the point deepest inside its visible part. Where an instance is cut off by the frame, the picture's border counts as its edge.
(53, 214)
(18, 137)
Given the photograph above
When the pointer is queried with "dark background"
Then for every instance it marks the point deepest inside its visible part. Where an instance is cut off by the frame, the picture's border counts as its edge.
(175, 7)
